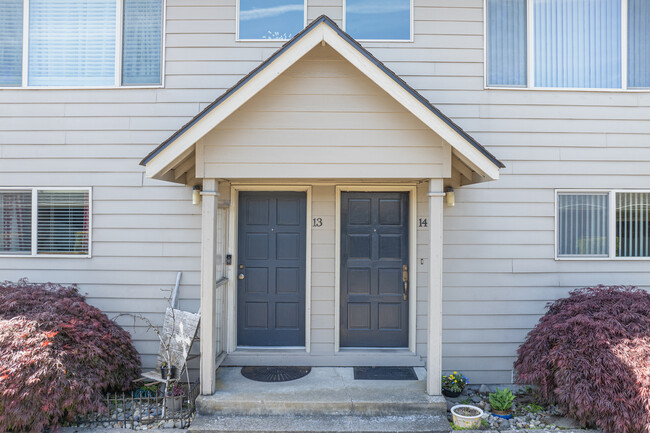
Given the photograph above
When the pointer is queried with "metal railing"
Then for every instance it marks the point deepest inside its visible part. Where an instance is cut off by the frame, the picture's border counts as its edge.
(147, 406)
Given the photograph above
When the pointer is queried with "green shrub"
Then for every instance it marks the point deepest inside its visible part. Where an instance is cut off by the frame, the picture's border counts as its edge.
(502, 399)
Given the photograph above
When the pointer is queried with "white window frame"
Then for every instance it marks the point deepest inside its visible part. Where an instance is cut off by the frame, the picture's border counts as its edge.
(238, 39)
(411, 24)
(34, 216)
(611, 229)
(117, 82)
(530, 58)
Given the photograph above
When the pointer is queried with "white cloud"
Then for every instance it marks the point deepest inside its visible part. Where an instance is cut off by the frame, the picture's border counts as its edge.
(269, 12)
(378, 7)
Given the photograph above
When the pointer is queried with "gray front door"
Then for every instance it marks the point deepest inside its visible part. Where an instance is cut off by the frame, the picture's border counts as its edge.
(374, 257)
(271, 269)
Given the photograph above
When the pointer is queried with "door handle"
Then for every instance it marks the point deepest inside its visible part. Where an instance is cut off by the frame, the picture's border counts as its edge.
(241, 276)
(405, 280)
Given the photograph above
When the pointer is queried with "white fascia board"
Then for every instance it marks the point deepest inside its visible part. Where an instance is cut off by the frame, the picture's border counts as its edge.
(368, 68)
(166, 158)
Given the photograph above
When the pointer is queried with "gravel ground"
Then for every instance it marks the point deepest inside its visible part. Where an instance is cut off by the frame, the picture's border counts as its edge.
(527, 413)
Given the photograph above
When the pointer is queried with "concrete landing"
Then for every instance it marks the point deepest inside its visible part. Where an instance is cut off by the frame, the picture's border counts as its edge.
(324, 391)
(318, 424)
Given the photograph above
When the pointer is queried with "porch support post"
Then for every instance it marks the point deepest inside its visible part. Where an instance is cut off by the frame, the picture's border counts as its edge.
(208, 286)
(434, 343)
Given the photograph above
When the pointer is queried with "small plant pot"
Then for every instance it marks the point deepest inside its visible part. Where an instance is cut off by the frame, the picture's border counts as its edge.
(451, 394)
(502, 414)
(466, 416)
(163, 372)
(173, 403)
(172, 372)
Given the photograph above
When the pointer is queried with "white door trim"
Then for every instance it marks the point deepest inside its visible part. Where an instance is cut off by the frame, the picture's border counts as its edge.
(413, 206)
(233, 216)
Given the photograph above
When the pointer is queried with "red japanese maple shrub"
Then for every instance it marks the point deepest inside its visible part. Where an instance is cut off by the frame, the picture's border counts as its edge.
(58, 355)
(590, 354)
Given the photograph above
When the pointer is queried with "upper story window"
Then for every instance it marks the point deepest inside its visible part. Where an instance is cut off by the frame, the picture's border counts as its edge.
(270, 20)
(603, 224)
(71, 43)
(45, 221)
(595, 44)
(378, 19)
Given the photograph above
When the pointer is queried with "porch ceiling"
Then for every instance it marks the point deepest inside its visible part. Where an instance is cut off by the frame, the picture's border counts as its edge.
(467, 161)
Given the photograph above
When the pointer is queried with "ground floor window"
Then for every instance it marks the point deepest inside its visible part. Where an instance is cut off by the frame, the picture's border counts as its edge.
(603, 224)
(45, 221)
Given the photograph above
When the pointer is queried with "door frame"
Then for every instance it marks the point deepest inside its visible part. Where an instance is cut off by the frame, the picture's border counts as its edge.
(233, 227)
(413, 206)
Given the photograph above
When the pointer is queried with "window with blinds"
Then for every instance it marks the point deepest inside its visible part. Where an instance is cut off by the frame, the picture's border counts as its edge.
(75, 42)
(62, 222)
(607, 224)
(633, 224)
(571, 44)
(15, 222)
(45, 222)
(582, 224)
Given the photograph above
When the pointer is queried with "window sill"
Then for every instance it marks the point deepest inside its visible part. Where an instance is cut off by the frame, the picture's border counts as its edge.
(47, 256)
(600, 259)
(567, 89)
(158, 86)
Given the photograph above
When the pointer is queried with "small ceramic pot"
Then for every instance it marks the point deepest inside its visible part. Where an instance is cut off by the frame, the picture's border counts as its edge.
(467, 421)
(163, 372)
(172, 372)
(502, 414)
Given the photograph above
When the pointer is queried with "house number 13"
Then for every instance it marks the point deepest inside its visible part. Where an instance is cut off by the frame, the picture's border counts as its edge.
(318, 222)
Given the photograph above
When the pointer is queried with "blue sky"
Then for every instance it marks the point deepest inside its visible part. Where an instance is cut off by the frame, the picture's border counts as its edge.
(275, 19)
(378, 19)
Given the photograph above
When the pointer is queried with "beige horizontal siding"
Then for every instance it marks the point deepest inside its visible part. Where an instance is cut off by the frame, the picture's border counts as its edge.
(499, 266)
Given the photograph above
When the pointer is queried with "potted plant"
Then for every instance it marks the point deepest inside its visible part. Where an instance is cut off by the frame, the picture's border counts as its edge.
(163, 370)
(174, 398)
(453, 384)
(501, 402)
(466, 416)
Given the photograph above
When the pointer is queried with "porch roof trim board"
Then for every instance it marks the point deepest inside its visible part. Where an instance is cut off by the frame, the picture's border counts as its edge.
(173, 150)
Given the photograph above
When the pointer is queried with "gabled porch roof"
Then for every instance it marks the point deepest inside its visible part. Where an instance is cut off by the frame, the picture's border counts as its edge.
(177, 152)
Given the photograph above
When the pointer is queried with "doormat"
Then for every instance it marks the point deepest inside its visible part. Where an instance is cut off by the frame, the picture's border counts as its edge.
(384, 373)
(274, 374)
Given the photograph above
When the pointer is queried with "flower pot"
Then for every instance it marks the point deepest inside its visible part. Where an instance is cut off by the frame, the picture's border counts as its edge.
(163, 372)
(172, 372)
(466, 416)
(451, 394)
(173, 403)
(502, 414)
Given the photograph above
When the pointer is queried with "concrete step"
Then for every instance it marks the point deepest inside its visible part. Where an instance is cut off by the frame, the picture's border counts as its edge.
(321, 423)
(325, 391)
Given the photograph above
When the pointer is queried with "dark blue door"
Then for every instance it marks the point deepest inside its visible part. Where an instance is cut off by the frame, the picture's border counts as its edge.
(374, 267)
(271, 269)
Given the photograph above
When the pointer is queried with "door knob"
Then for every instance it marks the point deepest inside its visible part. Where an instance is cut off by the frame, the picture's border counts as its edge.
(240, 276)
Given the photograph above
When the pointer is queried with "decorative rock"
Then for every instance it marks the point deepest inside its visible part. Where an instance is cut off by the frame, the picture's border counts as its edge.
(505, 424)
(484, 389)
(563, 422)
(450, 404)
(476, 399)
(488, 407)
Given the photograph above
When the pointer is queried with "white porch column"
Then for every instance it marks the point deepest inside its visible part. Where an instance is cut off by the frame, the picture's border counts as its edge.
(434, 343)
(208, 285)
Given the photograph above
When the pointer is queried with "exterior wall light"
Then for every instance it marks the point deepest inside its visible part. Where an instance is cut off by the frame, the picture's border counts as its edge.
(451, 197)
(196, 194)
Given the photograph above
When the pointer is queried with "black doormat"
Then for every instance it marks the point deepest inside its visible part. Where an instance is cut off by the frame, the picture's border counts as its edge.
(274, 374)
(384, 373)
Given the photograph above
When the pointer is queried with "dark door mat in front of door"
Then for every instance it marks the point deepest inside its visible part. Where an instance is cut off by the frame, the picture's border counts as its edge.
(274, 374)
(384, 373)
